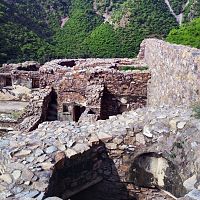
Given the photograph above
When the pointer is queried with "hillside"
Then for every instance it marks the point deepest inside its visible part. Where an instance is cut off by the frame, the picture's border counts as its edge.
(46, 29)
(26, 27)
(187, 34)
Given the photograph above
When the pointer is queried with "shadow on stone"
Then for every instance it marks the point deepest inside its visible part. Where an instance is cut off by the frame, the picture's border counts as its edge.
(151, 170)
(91, 175)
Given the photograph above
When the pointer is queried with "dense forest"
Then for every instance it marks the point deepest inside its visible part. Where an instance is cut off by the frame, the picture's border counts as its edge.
(187, 34)
(46, 29)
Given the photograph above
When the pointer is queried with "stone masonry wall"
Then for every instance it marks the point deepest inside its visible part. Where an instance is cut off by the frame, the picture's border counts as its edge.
(175, 73)
(24, 78)
(27, 159)
(105, 91)
(36, 111)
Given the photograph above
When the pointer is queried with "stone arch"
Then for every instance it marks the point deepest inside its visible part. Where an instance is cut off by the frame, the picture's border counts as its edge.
(153, 170)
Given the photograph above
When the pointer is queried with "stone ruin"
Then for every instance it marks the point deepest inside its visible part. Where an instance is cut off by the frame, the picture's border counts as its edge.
(24, 74)
(92, 89)
(92, 130)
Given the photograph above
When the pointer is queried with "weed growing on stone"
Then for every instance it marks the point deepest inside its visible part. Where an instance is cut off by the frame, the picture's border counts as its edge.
(196, 110)
(131, 68)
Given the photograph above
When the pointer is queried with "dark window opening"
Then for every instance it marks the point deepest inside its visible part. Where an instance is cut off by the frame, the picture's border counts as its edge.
(70, 63)
(109, 105)
(29, 68)
(77, 112)
(65, 108)
(35, 83)
(8, 81)
(91, 112)
(52, 112)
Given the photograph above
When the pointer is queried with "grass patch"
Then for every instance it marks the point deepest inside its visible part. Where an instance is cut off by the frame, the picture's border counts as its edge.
(132, 68)
(16, 114)
(196, 110)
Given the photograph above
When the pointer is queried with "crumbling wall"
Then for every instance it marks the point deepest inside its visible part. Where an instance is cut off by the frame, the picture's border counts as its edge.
(123, 90)
(88, 175)
(25, 78)
(36, 111)
(78, 89)
(24, 74)
(72, 175)
(175, 73)
(104, 91)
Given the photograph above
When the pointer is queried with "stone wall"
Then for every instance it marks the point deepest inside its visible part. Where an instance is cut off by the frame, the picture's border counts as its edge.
(29, 79)
(36, 111)
(106, 93)
(175, 73)
(24, 74)
(103, 90)
(148, 137)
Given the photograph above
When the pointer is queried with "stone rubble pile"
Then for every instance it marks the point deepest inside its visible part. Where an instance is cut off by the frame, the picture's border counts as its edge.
(27, 159)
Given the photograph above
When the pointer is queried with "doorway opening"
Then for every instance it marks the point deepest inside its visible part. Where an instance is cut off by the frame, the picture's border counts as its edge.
(35, 83)
(8, 81)
(77, 112)
(52, 111)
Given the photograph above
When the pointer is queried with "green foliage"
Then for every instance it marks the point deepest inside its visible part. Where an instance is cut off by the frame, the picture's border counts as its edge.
(103, 42)
(177, 5)
(70, 40)
(132, 68)
(192, 10)
(26, 28)
(187, 34)
(144, 21)
(30, 30)
(196, 110)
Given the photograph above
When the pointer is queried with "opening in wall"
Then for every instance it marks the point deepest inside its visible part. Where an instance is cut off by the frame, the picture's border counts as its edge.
(8, 81)
(152, 170)
(35, 83)
(77, 112)
(52, 112)
(65, 108)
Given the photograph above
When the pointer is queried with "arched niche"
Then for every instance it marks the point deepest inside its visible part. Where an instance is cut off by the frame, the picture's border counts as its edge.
(152, 170)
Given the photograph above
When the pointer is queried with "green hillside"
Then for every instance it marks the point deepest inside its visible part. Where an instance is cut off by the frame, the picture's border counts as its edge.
(31, 30)
(187, 34)
(27, 28)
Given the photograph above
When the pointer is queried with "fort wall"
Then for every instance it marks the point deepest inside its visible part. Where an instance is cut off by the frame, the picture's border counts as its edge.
(175, 73)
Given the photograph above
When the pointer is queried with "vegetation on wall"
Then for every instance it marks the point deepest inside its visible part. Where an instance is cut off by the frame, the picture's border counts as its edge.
(132, 68)
(187, 34)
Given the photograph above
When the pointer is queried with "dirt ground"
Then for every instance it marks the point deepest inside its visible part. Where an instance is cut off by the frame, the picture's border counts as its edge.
(11, 106)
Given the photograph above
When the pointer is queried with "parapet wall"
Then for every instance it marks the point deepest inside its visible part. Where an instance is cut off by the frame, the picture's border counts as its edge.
(175, 73)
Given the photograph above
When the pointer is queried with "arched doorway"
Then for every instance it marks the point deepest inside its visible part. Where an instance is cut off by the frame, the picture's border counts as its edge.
(152, 170)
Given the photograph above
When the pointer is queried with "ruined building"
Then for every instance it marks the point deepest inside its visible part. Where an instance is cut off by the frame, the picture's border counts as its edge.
(94, 130)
